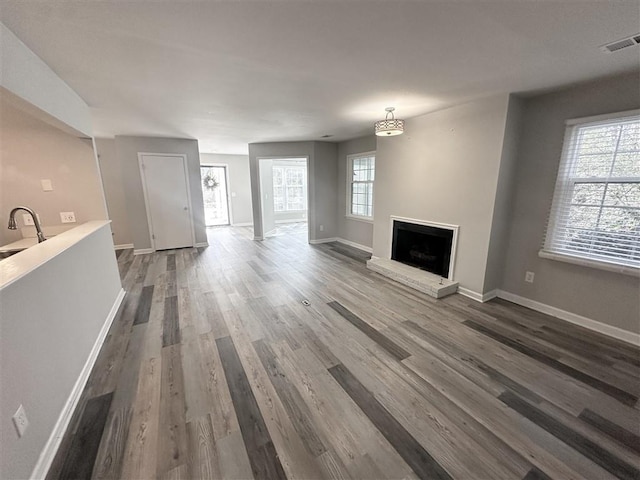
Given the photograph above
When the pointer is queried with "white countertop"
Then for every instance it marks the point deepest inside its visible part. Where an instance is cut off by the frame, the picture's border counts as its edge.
(20, 264)
(18, 245)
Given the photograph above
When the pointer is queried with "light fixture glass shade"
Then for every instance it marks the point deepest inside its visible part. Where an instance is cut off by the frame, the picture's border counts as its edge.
(389, 126)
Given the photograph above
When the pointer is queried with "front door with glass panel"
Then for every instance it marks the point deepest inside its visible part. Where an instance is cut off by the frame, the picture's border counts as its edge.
(214, 193)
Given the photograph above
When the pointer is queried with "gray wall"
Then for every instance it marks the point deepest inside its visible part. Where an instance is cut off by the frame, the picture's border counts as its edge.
(607, 297)
(358, 231)
(32, 150)
(127, 149)
(324, 192)
(321, 174)
(113, 184)
(239, 184)
(504, 196)
(45, 343)
(444, 169)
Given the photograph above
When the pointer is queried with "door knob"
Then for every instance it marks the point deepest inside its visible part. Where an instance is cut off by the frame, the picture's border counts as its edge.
(186, 208)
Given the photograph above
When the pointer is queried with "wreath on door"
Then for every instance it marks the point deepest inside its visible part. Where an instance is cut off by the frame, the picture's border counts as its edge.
(210, 182)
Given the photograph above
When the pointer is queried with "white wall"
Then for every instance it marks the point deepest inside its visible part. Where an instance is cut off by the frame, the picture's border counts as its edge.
(29, 78)
(358, 231)
(127, 149)
(239, 184)
(444, 169)
(608, 297)
(51, 319)
(113, 184)
(32, 150)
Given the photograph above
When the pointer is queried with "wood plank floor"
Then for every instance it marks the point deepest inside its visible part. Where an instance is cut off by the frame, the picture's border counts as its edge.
(216, 368)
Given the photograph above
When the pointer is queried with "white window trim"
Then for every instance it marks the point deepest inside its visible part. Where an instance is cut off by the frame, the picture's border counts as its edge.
(284, 186)
(348, 213)
(600, 264)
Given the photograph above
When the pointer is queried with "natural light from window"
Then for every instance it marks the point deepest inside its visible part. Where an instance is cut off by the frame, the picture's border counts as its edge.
(361, 176)
(596, 207)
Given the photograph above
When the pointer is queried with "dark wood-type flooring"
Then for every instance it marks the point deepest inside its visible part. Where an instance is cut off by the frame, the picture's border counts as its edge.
(215, 368)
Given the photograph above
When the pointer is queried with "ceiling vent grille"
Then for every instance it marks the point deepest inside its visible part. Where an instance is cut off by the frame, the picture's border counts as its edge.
(621, 44)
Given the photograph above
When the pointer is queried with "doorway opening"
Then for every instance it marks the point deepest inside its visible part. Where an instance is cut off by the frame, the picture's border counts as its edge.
(215, 195)
(284, 190)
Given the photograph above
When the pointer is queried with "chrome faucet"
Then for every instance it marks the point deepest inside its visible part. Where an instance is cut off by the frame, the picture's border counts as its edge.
(14, 226)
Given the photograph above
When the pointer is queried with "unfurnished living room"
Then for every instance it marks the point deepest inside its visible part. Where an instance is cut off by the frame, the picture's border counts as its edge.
(309, 239)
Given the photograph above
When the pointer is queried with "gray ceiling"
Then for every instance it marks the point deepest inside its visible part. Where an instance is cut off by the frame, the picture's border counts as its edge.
(233, 72)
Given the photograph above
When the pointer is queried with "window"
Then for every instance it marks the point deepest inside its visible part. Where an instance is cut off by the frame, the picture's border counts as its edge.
(595, 213)
(289, 188)
(360, 175)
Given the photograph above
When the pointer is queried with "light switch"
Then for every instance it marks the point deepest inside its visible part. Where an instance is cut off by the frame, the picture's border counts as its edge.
(47, 186)
(28, 219)
(233, 194)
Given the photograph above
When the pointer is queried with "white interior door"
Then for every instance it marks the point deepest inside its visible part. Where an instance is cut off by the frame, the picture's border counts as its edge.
(168, 202)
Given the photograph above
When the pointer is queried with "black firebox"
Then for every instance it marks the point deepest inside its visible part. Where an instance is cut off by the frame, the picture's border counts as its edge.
(422, 246)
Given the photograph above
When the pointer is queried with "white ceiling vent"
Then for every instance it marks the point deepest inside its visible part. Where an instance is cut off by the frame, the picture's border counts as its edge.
(621, 44)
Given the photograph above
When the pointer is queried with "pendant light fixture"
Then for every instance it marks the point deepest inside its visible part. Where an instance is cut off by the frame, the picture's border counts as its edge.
(389, 126)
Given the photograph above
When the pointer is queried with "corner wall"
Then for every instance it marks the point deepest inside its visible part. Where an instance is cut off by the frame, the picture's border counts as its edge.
(606, 297)
(357, 231)
(113, 185)
(127, 149)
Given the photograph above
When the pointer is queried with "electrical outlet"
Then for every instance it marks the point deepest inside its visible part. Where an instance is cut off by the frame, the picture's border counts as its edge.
(322, 228)
(68, 217)
(27, 219)
(20, 421)
(529, 276)
(47, 186)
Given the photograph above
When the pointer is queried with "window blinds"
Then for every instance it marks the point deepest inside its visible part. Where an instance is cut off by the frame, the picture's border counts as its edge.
(595, 212)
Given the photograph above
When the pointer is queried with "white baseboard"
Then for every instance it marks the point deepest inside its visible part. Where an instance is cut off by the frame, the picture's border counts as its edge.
(143, 251)
(478, 297)
(246, 224)
(202, 244)
(123, 246)
(364, 248)
(323, 240)
(292, 220)
(596, 326)
(51, 447)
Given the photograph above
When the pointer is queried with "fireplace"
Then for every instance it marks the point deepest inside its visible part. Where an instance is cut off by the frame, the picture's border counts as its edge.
(424, 246)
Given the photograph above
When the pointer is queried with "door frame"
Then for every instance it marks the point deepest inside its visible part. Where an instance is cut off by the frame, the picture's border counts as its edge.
(226, 179)
(309, 187)
(143, 177)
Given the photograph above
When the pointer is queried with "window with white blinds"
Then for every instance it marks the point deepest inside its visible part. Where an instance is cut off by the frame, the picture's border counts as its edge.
(595, 214)
(360, 178)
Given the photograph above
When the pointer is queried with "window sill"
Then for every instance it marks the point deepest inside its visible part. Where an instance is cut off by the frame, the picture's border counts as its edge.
(360, 219)
(589, 262)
